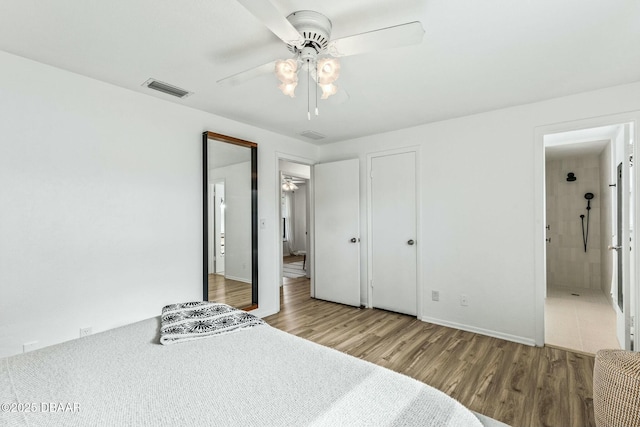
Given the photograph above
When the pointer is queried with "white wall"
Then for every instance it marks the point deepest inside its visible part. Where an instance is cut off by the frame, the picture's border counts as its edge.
(299, 218)
(477, 210)
(295, 169)
(237, 236)
(101, 204)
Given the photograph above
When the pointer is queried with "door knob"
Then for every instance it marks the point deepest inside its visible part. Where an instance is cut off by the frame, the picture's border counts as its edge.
(353, 240)
(410, 242)
(611, 248)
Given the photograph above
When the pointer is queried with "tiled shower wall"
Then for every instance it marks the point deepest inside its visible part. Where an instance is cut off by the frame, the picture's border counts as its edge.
(568, 265)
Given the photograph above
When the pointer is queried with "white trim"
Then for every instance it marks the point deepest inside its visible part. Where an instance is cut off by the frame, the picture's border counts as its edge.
(539, 272)
(419, 291)
(213, 255)
(481, 331)
(211, 238)
(539, 248)
(635, 243)
(263, 312)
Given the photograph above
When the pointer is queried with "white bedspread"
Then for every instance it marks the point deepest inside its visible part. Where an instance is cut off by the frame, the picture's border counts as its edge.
(256, 377)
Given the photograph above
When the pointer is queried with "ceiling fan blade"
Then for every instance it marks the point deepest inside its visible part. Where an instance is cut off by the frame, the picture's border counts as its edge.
(271, 17)
(247, 75)
(384, 38)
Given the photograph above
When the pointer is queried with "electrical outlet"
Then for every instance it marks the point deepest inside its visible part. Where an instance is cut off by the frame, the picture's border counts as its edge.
(29, 346)
(85, 332)
(464, 301)
(435, 295)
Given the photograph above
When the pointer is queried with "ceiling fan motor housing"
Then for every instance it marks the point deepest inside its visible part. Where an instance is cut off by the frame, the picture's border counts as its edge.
(314, 27)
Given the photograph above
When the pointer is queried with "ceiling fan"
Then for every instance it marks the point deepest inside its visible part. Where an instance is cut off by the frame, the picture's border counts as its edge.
(307, 34)
(289, 182)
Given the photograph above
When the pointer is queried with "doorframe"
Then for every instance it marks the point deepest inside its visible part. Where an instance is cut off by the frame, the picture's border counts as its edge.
(419, 292)
(213, 266)
(540, 268)
(211, 249)
(278, 194)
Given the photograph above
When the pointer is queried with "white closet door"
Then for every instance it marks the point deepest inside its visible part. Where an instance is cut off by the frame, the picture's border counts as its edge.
(393, 232)
(337, 231)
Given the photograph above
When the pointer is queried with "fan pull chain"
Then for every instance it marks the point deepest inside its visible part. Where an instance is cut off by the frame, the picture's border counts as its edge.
(316, 86)
(308, 90)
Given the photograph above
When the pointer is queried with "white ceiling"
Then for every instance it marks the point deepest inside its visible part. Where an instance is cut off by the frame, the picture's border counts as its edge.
(476, 55)
(590, 148)
(581, 142)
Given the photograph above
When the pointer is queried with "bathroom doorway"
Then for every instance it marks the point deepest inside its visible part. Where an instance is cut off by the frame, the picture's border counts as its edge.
(581, 237)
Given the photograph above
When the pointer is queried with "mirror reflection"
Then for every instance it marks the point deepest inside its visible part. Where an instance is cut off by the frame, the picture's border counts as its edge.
(231, 254)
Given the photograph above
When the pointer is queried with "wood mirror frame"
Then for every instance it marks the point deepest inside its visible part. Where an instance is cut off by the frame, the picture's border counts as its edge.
(253, 148)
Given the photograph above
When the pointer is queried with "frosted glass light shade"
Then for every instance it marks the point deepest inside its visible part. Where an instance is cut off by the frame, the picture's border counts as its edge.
(286, 70)
(288, 88)
(289, 186)
(328, 70)
(328, 90)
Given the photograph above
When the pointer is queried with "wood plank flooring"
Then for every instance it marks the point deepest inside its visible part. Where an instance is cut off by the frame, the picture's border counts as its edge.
(235, 293)
(514, 383)
(228, 291)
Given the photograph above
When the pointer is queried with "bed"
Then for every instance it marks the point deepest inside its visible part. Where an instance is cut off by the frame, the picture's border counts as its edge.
(257, 376)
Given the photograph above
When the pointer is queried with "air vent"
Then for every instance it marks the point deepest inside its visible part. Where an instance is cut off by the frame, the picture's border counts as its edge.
(312, 135)
(166, 88)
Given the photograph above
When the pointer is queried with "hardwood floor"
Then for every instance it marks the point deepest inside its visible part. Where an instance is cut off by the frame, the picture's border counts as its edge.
(514, 383)
(235, 293)
(228, 291)
(292, 258)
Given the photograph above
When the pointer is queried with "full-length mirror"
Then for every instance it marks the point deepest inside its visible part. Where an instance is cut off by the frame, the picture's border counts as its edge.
(230, 231)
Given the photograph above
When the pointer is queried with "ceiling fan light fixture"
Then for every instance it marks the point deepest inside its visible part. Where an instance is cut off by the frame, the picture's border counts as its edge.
(289, 186)
(286, 70)
(287, 73)
(328, 90)
(328, 70)
(307, 35)
(289, 89)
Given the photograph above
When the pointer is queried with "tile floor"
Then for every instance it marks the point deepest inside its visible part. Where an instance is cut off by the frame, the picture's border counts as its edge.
(585, 323)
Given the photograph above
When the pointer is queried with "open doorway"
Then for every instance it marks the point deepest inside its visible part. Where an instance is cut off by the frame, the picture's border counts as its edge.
(295, 268)
(589, 211)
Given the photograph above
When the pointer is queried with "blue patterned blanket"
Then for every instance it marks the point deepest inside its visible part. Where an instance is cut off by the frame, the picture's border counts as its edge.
(201, 319)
